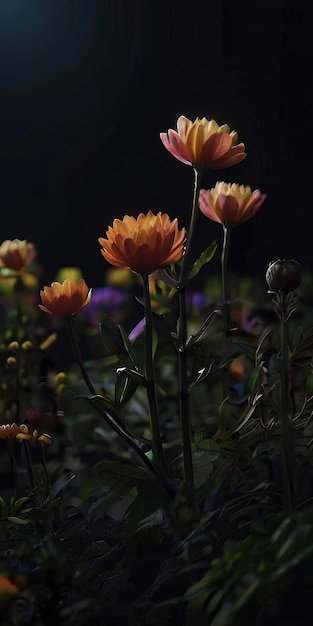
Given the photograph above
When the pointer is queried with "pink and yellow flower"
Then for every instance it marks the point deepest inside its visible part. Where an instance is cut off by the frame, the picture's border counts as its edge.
(203, 143)
(66, 299)
(143, 244)
(230, 204)
(9, 431)
(16, 254)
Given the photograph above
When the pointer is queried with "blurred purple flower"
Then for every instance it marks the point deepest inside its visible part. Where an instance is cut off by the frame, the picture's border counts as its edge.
(105, 300)
(197, 300)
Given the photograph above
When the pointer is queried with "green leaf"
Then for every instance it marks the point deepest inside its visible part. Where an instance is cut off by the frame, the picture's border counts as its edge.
(208, 444)
(309, 385)
(112, 471)
(125, 388)
(202, 374)
(266, 332)
(147, 516)
(256, 377)
(209, 319)
(135, 375)
(304, 345)
(116, 340)
(18, 503)
(205, 257)
(18, 520)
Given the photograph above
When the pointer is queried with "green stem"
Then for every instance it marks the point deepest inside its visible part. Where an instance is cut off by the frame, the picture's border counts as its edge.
(182, 335)
(287, 434)
(47, 490)
(225, 285)
(18, 291)
(78, 356)
(13, 467)
(29, 464)
(225, 310)
(150, 380)
(110, 418)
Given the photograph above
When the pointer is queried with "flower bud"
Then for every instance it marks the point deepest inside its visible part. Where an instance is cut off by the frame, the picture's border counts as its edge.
(27, 346)
(283, 275)
(14, 346)
(12, 363)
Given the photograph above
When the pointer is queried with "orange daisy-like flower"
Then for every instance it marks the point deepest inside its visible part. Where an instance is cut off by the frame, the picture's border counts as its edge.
(66, 299)
(143, 244)
(16, 254)
(230, 204)
(203, 143)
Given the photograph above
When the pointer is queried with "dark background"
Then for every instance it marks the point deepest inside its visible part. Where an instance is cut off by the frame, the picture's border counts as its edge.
(86, 88)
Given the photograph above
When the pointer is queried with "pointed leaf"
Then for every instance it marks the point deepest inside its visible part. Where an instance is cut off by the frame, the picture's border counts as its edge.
(209, 319)
(205, 257)
(125, 388)
(115, 339)
(304, 346)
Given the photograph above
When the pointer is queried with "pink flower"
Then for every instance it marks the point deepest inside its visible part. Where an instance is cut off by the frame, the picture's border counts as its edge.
(230, 204)
(203, 143)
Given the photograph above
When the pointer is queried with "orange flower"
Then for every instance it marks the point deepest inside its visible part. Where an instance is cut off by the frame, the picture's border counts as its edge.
(66, 299)
(143, 244)
(8, 587)
(230, 204)
(203, 143)
(16, 254)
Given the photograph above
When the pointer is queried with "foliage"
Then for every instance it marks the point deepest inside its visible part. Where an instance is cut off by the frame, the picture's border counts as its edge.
(156, 447)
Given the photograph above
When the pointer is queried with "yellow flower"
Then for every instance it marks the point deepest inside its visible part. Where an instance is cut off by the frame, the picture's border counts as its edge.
(45, 439)
(16, 254)
(230, 204)
(25, 435)
(143, 244)
(66, 299)
(203, 143)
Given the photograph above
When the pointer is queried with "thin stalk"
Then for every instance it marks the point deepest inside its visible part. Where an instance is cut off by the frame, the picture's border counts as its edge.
(150, 380)
(13, 467)
(225, 306)
(78, 356)
(287, 434)
(47, 490)
(29, 463)
(18, 293)
(224, 267)
(182, 334)
(110, 418)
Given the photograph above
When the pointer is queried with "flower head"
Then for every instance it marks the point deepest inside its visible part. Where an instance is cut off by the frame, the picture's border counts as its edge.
(25, 435)
(66, 299)
(9, 586)
(230, 204)
(143, 244)
(16, 254)
(9, 431)
(283, 275)
(203, 143)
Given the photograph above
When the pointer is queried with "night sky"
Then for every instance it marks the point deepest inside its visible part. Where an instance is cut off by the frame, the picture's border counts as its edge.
(86, 88)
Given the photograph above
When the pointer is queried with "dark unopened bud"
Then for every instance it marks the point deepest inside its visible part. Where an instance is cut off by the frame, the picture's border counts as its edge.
(283, 275)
